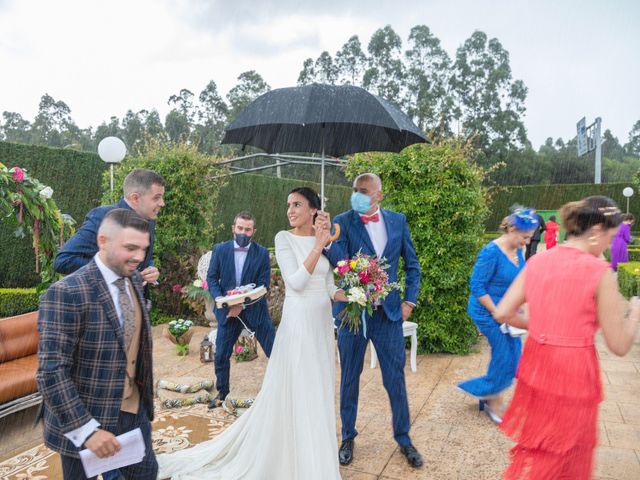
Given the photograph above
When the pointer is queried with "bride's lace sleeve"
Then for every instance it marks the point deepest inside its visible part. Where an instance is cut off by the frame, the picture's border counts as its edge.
(295, 275)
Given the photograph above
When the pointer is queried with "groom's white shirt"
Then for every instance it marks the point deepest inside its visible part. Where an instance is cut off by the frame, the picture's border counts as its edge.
(377, 233)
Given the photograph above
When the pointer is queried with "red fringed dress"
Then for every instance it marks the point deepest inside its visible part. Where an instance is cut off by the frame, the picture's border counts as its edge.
(553, 414)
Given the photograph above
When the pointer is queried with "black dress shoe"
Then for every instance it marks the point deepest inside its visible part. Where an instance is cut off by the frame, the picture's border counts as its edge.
(345, 454)
(413, 456)
(217, 401)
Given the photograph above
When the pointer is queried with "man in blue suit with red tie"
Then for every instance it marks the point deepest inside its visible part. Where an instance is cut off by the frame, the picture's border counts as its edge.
(383, 234)
(237, 262)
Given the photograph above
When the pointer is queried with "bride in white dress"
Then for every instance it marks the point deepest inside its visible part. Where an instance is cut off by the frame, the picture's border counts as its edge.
(290, 431)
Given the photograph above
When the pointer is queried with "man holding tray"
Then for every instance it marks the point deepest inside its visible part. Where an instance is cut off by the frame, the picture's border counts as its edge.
(235, 263)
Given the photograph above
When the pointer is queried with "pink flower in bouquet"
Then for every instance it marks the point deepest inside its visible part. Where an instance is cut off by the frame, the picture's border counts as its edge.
(364, 277)
(18, 174)
(205, 285)
(176, 288)
(239, 349)
(343, 267)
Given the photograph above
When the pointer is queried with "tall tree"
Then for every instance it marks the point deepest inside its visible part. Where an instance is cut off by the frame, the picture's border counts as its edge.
(611, 147)
(212, 113)
(428, 97)
(491, 104)
(133, 130)
(308, 73)
(51, 120)
(633, 146)
(385, 69)
(15, 128)
(250, 86)
(112, 129)
(350, 62)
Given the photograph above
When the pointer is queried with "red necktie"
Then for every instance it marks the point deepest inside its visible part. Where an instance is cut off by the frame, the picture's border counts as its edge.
(371, 218)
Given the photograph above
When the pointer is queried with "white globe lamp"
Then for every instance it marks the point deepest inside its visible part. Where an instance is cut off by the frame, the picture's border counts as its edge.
(111, 150)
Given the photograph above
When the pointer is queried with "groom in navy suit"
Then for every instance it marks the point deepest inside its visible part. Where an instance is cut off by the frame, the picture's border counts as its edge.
(234, 263)
(380, 233)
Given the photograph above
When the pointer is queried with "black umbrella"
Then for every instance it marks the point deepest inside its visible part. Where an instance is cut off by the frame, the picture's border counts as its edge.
(333, 120)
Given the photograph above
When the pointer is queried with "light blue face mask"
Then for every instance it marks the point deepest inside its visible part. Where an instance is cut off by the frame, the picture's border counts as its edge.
(360, 202)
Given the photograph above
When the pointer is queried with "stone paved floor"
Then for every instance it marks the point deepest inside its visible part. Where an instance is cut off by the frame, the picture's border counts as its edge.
(457, 441)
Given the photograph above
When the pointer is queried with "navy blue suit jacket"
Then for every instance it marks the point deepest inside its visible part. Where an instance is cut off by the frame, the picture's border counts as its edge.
(354, 238)
(81, 248)
(221, 278)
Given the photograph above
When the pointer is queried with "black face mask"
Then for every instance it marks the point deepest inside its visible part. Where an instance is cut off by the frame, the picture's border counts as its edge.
(242, 239)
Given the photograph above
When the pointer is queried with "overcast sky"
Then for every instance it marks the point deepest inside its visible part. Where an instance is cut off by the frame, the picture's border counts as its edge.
(577, 58)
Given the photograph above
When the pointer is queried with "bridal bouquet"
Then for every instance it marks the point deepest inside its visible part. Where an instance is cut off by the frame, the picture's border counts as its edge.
(366, 284)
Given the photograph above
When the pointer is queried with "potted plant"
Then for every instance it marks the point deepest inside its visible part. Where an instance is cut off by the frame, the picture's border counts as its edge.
(180, 333)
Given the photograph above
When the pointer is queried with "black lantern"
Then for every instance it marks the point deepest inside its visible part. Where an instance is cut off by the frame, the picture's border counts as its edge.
(206, 350)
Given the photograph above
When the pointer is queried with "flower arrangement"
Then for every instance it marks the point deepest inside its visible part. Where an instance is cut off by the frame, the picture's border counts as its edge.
(366, 283)
(27, 203)
(180, 333)
(197, 289)
(245, 349)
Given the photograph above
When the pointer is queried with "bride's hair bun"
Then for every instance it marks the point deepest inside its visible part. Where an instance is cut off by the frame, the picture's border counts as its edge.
(578, 217)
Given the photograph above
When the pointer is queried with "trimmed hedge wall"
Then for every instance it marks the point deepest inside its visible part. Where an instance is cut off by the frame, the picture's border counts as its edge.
(629, 278)
(76, 180)
(16, 301)
(552, 197)
(266, 198)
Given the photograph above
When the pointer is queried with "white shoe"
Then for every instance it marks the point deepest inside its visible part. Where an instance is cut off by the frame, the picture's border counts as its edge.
(515, 331)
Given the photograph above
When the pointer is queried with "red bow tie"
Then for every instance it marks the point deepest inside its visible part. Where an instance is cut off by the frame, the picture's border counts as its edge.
(371, 218)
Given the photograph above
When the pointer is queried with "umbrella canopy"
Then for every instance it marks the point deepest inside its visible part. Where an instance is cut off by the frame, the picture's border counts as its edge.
(335, 120)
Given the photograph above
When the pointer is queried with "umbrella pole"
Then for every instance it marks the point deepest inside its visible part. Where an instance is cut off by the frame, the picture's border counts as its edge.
(322, 177)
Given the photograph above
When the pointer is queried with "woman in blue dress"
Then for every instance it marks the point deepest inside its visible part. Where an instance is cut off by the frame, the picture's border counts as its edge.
(497, 265)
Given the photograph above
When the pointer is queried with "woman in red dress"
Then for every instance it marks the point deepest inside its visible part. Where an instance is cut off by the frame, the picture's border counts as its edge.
(551, 233)
(570, 292)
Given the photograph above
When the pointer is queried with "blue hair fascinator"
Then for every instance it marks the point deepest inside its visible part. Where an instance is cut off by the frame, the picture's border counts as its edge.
(523, 219)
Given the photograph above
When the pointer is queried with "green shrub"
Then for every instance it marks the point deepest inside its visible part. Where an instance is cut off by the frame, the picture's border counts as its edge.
(16, 301)
(440, 192)
(634, 254)
(629, 278)
(76, 180)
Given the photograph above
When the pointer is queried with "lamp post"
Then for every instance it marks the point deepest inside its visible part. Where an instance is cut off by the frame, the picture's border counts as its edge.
(111, 150)
(627, 192)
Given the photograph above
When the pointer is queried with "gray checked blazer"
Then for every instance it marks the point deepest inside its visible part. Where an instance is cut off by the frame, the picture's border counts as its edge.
(81, 357)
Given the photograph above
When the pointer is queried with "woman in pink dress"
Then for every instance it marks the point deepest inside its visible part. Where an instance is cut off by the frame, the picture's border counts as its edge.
(570, 293)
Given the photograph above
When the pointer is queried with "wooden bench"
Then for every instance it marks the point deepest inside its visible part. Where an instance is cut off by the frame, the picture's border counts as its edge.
(18, 363)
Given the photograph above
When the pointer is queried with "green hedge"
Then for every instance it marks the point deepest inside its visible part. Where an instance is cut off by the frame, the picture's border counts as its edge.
(634, 254)
(552, 197)
(16, 301)
(76, 180)
(629, 278)
(266, 198)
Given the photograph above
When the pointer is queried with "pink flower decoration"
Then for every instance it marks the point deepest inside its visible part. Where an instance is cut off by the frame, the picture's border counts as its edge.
(364, 277)
(18, 174)
(344, 269)
(205, 285)
(239, 349)
(176, 288)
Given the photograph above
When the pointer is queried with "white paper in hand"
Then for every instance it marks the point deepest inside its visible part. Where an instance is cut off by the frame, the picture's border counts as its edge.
(132, 450)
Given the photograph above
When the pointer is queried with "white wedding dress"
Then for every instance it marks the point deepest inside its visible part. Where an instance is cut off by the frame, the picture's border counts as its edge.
(290, 431)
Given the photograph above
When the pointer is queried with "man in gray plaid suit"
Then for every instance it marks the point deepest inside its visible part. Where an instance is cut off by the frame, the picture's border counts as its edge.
(94, 352)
